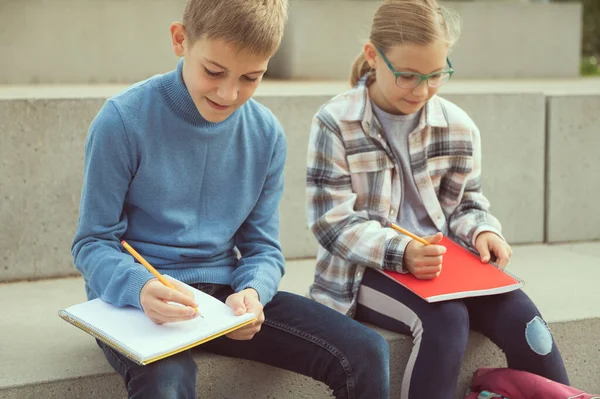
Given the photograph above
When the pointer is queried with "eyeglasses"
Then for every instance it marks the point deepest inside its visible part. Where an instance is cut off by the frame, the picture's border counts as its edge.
(410, 80)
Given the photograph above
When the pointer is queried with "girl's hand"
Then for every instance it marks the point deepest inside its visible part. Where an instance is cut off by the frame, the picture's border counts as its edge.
(487, 242)
(424, 261)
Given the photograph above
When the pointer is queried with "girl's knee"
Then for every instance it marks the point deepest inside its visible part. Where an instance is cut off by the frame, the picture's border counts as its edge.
(447, 330)
(450, 319)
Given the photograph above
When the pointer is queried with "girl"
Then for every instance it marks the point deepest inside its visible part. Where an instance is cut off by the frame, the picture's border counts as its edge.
(390, 150)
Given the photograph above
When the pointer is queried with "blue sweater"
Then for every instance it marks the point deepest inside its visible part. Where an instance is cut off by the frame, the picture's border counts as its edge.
(184, 192)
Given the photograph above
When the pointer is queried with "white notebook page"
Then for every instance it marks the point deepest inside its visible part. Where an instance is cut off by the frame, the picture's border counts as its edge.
(133, 329)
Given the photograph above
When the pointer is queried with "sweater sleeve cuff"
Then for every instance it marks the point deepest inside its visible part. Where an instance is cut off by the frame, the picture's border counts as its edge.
(138, 277)
(265, 291)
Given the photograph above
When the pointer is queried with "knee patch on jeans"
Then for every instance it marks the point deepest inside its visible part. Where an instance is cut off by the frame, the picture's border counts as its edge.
(538, 336)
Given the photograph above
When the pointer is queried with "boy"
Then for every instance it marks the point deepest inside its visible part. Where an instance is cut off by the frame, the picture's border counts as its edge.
(189, 170)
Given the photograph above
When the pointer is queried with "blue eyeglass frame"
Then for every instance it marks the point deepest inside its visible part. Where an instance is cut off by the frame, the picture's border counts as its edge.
(449, 71)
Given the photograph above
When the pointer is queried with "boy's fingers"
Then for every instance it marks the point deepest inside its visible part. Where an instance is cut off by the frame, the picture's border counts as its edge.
(170, 310)
(183, 289)
(161, 318)
(236, 302)
(253, 305)
(240, 337)
(170, 295)
(245, 333)
(161, 306)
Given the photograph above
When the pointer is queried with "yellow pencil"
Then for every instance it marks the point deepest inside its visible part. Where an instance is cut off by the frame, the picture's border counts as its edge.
(408, 233)
(150, 268)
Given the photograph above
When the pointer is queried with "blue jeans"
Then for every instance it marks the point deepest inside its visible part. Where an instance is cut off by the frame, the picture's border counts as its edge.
(440, 333)
(298, 334)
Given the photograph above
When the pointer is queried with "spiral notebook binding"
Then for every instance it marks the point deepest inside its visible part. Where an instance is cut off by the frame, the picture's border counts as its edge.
(116, 345)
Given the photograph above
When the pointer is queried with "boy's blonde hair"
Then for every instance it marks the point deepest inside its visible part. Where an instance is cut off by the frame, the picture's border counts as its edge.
(253, 25)
(407, 22)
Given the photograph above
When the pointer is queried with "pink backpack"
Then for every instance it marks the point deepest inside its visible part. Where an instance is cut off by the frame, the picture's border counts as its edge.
(506, 383)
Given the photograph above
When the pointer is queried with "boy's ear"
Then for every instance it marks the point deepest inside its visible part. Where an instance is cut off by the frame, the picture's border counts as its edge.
(178, 38)
(370, 53)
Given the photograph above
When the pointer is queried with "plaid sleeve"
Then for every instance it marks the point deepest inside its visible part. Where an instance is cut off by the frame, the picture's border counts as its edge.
(344, 232)
(472, 216)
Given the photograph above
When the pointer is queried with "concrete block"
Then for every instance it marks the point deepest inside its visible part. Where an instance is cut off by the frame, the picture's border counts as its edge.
(41, 153)
(572, 168)
(42, 161)
(85, 41)
(513, 153)
(100, 41)
(41, 148)
(295, 114)
(323, 38)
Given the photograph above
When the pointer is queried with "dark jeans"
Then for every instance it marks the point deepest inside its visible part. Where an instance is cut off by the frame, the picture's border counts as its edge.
(440, 333)
(298, 335)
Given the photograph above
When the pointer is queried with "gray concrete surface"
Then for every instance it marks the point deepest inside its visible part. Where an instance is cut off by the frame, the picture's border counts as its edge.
(85, 41)
(42, 135)
(96, 41)
(317, 46)
(49, 358)
(573, 168)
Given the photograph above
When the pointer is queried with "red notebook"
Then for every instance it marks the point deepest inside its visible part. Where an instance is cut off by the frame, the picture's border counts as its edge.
(463, 275)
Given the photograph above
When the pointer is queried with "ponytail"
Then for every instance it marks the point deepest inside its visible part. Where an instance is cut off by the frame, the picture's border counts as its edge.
(359, 68)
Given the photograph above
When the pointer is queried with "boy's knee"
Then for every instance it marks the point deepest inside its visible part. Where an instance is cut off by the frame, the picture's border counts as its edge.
(538, 336)
(372, 352)
(172, 377)
(173, 390)
(378, 348)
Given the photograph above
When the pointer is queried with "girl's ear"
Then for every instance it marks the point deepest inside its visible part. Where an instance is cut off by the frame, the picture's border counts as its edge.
(370, 53)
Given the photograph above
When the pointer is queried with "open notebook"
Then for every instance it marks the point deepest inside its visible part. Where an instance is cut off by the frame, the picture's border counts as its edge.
(463, 275)
(132, 333)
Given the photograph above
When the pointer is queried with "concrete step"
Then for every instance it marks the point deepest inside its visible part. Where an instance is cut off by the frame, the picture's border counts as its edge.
(45, 357)
(532, 162)
(98, 41)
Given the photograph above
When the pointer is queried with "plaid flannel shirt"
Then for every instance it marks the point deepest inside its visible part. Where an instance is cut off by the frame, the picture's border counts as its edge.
(354, 189)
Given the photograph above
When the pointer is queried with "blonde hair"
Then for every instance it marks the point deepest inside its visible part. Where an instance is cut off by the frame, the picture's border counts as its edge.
(254, 25)
(396, 22)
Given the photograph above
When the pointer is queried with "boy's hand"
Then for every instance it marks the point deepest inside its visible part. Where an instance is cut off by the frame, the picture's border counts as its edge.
(488, 241)
(243, 302)
(155, 295)
(425, 261)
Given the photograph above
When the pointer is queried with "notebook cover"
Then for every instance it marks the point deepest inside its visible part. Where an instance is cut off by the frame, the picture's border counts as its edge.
(463, 275)
(129, 331)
